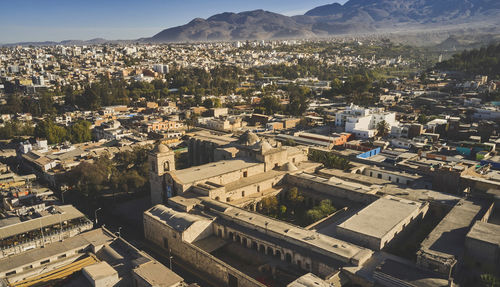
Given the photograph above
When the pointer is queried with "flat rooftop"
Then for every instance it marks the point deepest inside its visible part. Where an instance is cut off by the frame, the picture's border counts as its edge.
(157, 275)
(93, 237)
(448, 237)
(486, 232)
(60, 214)
(219, 139)
(209, 170)
(381, 216)
(354, 177)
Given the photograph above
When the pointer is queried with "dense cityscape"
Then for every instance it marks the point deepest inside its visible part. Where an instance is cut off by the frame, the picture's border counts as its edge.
(343, 161)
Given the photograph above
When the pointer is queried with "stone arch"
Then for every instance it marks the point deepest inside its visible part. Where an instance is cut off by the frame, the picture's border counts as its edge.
(270, 250)
(255, 245)
(288, 257)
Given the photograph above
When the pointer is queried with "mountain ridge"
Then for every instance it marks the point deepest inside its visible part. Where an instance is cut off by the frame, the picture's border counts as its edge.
(355, 16)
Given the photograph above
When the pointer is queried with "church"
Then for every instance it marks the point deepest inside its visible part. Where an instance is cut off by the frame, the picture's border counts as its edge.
(235, 169)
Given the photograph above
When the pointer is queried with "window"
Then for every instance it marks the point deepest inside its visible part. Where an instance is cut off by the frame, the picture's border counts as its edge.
(397, 179)
(61, 256)
(245, 173)
(371, 173)
(10, 273)
(233, 281)
(165, 243)
(379, 175)
(45, 261)
(390, 178)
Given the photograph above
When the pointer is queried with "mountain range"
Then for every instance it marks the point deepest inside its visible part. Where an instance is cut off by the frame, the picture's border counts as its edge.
(465, 17)
(354, 17)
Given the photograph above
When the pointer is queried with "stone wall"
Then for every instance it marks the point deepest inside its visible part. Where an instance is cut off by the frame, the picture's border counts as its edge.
(170, 240)
(330, 189)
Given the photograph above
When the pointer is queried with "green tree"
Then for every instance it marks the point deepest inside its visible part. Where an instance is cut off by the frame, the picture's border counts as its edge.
(383, 129)
(489, 280)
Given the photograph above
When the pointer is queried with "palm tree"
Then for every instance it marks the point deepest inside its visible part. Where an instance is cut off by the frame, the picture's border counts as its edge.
(382, 129)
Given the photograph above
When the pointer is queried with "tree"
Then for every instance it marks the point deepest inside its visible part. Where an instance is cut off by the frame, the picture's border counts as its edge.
(383, 129)
(80, 132)
(324, 209)
(489, 280)
(270, 104)
(269, 206)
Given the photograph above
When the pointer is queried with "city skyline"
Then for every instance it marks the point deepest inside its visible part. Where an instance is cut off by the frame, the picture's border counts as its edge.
(32, 21)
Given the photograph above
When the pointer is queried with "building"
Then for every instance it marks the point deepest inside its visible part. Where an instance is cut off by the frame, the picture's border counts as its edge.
(379, 223)
(362, 122)
(39, 225)
(244, 167)
(103, 259)
(161, 68)
(442, 250)
(482, 244)
(183, 232)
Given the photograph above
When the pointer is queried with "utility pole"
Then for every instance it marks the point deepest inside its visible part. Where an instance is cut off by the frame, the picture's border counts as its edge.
(170, 257)
(95, 215)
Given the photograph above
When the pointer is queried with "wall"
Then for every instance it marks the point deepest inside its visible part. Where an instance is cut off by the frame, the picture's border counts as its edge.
(200, 260)
(330, 189)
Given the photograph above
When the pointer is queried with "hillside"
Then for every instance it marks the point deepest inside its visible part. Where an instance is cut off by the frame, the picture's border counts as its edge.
(256, 24)
(483, 61)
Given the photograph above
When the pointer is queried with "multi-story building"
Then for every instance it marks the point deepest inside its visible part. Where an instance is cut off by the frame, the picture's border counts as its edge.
(362, 122)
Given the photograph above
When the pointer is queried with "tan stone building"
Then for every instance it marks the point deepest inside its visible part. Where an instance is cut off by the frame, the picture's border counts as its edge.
(236, 170)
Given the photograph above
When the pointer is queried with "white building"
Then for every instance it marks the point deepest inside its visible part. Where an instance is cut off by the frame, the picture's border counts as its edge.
(161, 68)
(362, 122)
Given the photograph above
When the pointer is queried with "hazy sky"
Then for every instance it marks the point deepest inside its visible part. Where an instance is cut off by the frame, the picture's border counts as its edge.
(56, 20)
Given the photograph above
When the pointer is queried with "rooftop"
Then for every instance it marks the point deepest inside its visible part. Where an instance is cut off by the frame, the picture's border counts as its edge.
(340, 250)
(381, 216)
(448, 236)
(487, 232)
(60, 214)
(209, 170)
(178, 220)
(94, 237)
(157, 275)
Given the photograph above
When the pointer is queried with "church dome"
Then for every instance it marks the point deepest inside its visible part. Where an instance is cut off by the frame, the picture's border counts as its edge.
(248, 138)
(265, 146)
(161, 148)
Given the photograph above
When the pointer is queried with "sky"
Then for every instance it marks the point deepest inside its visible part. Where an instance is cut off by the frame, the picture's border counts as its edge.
(56, 20)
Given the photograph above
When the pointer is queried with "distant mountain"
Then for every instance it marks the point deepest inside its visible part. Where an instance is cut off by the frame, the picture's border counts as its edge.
(355, 16)
(409, 11)
(258, 24)
(95, 41)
